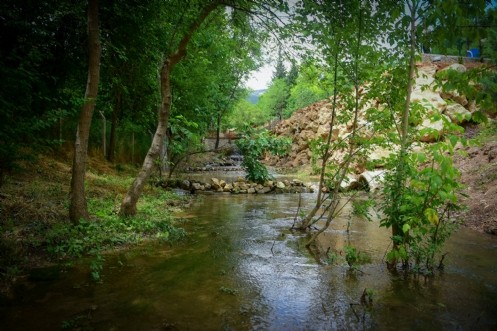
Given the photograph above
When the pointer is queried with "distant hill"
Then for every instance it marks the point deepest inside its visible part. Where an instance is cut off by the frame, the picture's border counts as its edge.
(254, 96)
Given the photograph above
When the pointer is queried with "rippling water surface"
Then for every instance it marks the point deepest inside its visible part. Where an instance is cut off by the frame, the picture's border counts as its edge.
(242, 269)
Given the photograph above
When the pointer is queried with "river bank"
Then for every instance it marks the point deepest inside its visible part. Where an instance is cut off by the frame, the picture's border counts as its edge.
(34, 200)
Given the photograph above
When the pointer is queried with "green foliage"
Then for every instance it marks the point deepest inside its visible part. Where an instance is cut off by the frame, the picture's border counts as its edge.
(246, 113)
(96, 266)
(253, 143)
(185, 138)
(274, 100)
(419, 199)
(279, 71)
(421, 186)
(91, 237)
(458, 25)
(477, 85)
(40, 66)
(355, 258)
(312, 84)
(331, 256)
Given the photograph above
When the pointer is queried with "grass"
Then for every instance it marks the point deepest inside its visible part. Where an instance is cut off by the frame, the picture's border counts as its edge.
(488, 131)
(34, 226)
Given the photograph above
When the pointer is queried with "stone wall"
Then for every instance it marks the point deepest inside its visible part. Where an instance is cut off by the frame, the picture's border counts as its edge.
(210, 143)
(449, 59)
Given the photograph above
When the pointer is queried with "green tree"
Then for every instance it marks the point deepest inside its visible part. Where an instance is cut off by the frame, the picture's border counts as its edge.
(246, 113)
(78, 208)
(293, 73)
(337, 27)
(274, 99)
(171, 59)
(466, 21)
(312, 84)
(190, 20)
(279, 70)
(421, 188)
(131, 55)
(41, 65)
(208, 82)
(253, 143)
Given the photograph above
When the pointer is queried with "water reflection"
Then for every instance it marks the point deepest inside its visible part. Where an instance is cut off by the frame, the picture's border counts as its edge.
(242, 269)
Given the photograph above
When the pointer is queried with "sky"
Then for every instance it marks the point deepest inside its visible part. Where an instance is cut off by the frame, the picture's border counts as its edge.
(260, 79)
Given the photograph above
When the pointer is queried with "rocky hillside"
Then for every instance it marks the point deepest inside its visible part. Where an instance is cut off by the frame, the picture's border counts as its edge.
(313, 121)
(478, 168)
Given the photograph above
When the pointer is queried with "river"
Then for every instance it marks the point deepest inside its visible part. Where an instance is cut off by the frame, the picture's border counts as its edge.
(241, 268)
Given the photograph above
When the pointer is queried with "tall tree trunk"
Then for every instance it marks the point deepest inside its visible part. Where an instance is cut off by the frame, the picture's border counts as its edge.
(104, 132)
(113, 126)
(218, 130)
(128, 206)
(326, 155)
(404, 142)
(78, 208)
(344, 167)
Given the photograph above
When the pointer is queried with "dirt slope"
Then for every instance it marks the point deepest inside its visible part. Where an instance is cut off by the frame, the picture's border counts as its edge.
(479, 175)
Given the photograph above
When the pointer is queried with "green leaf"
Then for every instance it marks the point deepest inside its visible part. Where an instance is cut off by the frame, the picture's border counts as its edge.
(405, 228)
(432, 215)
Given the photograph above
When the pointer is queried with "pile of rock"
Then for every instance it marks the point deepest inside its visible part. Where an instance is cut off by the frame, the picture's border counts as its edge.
(312, 122)
(221, 167)
(239, 186)
(368, 180)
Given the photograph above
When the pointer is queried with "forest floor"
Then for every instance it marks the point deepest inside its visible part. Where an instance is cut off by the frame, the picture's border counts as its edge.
(34, 226)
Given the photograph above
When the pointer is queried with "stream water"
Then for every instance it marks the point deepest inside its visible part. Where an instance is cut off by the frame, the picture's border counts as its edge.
(240, 268)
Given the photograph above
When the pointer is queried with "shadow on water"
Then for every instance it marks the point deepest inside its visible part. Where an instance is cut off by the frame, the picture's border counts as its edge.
(242, 269)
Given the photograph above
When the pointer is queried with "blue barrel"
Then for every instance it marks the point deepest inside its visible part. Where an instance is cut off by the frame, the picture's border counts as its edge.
(473, 52)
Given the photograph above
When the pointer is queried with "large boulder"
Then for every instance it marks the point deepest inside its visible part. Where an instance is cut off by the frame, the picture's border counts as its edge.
(228, 188)
(455, 66)
(185, 184)
(433, 130)
(456, 97)
(425, 76)
(428, 99)
(457, 113)
(215, 183)
(372, 180)
(349, 182)
(263, 190)
(197, 187)
(378, 155)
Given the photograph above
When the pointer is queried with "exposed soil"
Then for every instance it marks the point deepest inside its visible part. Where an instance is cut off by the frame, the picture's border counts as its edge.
(479, 175)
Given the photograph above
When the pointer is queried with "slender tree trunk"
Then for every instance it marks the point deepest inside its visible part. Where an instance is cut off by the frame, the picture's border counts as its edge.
(78, 208)
(218, 130)
(326, 155)
(104, 133)
(342, 172)
(132, 148)
(404, 142)
(221, 113)
(113, 127)
(128, 206)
